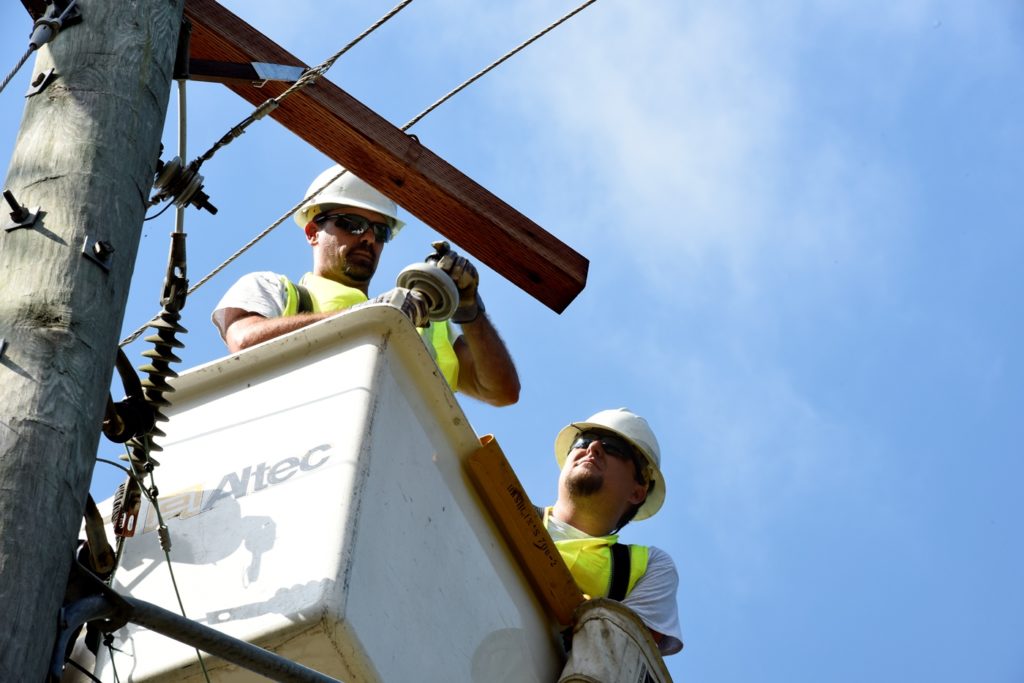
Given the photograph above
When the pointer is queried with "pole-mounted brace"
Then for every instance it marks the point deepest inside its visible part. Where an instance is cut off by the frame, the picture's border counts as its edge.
(21, 217)
(89, 600)
(98, 251)
(41, 81)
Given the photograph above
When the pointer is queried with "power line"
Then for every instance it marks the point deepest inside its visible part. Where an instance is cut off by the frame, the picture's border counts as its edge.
(495, 64)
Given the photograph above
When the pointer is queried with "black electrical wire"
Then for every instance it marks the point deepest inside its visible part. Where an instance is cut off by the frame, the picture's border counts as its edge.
(83, 670)
(159, 213)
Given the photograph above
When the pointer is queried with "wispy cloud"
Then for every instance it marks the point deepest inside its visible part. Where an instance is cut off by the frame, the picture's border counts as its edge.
(693, 124)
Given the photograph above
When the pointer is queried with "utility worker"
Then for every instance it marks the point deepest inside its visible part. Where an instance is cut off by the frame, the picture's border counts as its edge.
(611, 474)
(347, 226)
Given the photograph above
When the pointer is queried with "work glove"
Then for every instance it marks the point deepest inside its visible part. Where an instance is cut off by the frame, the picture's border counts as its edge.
(411, 302)
(463, 273)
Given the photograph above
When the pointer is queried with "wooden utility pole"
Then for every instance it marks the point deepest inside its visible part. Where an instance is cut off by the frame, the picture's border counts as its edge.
(85, 155)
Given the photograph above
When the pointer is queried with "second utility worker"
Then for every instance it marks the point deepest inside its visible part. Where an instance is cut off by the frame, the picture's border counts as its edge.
(610, 475)
(347, 226)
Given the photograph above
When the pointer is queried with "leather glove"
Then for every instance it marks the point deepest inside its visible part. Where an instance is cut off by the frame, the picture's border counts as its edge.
(464, 274)
(415, 306)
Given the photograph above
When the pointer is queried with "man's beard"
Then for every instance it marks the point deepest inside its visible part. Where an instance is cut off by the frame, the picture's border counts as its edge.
(582, 483)
(360, 271)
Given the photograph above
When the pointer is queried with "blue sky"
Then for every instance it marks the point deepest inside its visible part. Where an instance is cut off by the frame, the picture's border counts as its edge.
(805, 229)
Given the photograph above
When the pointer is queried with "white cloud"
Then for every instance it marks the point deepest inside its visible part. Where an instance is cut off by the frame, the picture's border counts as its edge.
(691, 121)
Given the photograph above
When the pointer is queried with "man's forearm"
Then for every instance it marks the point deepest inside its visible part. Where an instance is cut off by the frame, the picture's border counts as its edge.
(256, 329)
(489, 375)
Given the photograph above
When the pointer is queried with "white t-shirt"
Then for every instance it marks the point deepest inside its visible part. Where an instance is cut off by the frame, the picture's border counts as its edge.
(653, 598)
(263, 293)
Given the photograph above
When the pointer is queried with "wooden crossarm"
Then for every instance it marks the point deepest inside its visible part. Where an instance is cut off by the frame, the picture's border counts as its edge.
(396, 163)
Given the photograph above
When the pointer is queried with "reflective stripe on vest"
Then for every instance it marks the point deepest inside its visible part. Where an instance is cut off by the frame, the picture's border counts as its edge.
(590, 562)
(328, 295)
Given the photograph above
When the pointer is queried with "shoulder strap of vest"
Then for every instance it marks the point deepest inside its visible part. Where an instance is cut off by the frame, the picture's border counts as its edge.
(619, 583)
(305, 300)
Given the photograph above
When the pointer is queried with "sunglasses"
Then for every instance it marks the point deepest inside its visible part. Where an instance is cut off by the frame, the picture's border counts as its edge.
(612, 445)
(354, 224)
(618, 449)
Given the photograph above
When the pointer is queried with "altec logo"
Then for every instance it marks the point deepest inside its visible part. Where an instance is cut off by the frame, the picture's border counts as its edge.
(191, 501)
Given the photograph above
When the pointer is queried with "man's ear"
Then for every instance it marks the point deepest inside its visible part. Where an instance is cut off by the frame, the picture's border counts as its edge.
(639, 493)
(312, 231)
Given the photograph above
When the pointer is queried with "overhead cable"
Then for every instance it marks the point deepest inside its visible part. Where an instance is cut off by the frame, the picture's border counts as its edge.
(17, 67)
(495, 64)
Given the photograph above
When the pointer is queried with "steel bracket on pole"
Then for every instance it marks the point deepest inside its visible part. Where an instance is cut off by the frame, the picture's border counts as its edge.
(41, 81)
(255, 73)
(99, 252)
(96, 602)
(100, 603)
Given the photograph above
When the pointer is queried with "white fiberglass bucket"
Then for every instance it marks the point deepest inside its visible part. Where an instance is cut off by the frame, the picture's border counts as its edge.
(314, 491)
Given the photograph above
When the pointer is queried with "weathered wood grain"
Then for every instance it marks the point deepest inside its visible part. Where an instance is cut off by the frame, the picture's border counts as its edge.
(85, 153)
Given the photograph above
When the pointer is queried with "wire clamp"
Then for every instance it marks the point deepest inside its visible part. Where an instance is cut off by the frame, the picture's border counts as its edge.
(58, 15)
(264, 109)
(21, 217)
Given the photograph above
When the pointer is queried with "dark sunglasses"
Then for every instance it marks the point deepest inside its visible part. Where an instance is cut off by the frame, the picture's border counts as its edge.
(615, 447)
(355, 224)
(612, 445)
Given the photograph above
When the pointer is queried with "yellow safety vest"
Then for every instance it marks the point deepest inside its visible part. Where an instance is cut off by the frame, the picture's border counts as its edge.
(328, 295)
(590, 562)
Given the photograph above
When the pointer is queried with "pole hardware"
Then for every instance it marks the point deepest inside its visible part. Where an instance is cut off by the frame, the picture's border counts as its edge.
(131, 417)
(168, 326)
(90, 601)
(21, 217)
(254, 73)
(181, 61)
(41, 81)
(181, 184)
(98, 251)
(58, 14)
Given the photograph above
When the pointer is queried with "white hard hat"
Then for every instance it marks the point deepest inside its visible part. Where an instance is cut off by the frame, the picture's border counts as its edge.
(635, 430)
(348, 190)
